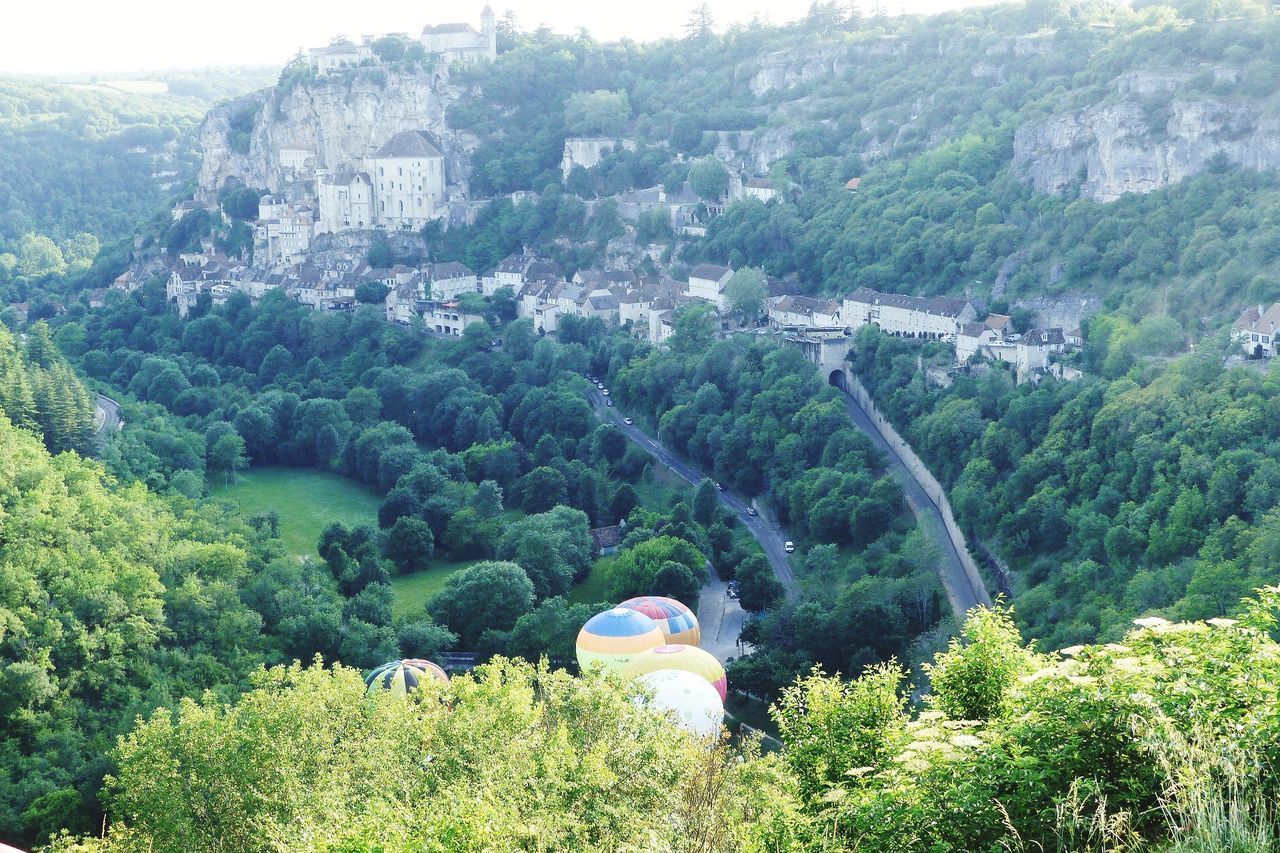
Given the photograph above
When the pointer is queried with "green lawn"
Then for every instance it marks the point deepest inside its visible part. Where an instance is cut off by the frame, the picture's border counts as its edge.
(595, 587)
(306, 501)
(412, 591)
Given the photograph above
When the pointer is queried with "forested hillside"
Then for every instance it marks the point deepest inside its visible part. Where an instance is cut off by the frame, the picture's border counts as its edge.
(947, 122)
(85, 165)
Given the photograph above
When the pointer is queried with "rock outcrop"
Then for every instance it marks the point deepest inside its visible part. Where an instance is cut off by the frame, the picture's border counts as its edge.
(1145, 140)
(332, 121)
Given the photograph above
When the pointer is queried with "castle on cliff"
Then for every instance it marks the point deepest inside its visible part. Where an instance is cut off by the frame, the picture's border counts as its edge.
(455, 42)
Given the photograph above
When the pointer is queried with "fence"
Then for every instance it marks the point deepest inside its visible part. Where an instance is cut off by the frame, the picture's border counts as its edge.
(927, 482)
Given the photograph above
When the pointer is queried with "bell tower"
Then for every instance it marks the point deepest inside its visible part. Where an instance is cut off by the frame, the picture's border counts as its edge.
(489, 29)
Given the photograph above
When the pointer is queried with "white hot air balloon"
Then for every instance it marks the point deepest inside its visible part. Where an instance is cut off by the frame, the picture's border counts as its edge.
(688, 698)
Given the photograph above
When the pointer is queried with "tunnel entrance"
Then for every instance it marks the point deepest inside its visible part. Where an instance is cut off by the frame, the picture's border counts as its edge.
(837, 379)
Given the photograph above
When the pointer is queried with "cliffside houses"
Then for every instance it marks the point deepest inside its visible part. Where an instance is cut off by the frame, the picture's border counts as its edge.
(934, 317)
(1255, 331)
(283, 233)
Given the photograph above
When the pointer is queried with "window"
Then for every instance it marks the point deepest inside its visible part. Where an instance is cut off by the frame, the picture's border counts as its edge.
(1255, 339)
(379, 171)
(400, 170)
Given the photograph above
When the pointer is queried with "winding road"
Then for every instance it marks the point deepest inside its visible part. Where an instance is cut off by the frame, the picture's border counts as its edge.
(951, 572)
(720, 616)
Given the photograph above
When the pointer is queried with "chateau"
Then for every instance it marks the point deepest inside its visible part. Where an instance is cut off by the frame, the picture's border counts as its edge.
(400, 186)
(457, 42)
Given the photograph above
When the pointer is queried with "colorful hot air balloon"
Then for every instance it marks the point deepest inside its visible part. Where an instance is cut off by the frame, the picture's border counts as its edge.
(677, 622)
(693, 702)
(684, 658)
(610, 639)
(398, 677)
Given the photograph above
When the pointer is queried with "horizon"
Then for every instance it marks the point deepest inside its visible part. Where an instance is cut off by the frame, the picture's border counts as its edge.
(151, 39)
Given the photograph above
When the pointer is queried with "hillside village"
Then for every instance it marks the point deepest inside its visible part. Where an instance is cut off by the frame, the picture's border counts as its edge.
(316, 221)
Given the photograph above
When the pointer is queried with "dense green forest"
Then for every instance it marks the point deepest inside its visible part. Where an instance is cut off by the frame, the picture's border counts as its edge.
(171, 677)
(1150, 488)
(86, 165)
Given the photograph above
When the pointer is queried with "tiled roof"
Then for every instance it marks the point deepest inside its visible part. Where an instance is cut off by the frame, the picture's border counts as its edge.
(942, 305)
(409, 143)
(712, 272)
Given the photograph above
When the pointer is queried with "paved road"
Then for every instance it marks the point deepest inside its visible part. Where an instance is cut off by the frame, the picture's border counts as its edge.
(770, 538)
(107, 415)
(720, 618)
(955, 580)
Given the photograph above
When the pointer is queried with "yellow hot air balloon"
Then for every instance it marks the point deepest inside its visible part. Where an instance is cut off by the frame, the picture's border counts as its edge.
(610, 639)
(684, 658)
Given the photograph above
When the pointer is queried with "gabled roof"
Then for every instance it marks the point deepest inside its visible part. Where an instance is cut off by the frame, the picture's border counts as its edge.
(1042, 337)
(998, 322)
(711, 272)
(603, 303)
(445, 29)
(975, 330)
(409, 143)
(448, 270)
(942, 305)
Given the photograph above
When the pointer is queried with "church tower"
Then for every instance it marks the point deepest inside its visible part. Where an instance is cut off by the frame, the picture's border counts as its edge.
(489, 29)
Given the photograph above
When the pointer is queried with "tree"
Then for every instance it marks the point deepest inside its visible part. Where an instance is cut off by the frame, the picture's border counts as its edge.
(598, 113)
(832, 726)
(542, 488)
(972, 679)
(706, 503)
(550, 630)
(695, 329)
(486, 596)
(228, 456)
(638, 567)
(676, 580)
(372, 293)
(700, 22)
(758, 589)
(624, 500)
(745, 293)
(409, 545)
(709, 178)
(487, 500)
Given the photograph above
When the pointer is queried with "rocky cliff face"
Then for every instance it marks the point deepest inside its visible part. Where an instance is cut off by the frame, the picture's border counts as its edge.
(1146, 139)
(337, 121)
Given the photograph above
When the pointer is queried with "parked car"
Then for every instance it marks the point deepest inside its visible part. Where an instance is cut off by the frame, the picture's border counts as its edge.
(789, 547)
(610, 402)
(626, 421)
(732, 589)
(752, 511)
(605, 391)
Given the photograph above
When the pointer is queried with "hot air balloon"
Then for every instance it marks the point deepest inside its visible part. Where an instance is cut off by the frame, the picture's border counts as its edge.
(610, 639)
(689, 698)
(684, 658)
(677, 622)
(398, 677)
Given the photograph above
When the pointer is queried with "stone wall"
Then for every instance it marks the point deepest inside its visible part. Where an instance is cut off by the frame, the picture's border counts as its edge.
(928, 483)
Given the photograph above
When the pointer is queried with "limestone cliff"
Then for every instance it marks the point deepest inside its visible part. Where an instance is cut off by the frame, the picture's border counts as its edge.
(1148, 136)
(334, 121)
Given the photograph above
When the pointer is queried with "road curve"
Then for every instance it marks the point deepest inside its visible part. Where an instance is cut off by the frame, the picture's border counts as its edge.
(955, 580)
(107, 415)
(770, 539)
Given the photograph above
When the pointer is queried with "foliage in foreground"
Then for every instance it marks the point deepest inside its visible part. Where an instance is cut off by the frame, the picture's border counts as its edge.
(511, 757)
(1167, 739)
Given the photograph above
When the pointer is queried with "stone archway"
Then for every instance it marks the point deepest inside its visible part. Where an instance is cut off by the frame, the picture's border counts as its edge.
(837, 378)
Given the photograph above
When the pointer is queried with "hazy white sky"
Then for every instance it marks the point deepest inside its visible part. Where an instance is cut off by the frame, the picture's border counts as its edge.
(52, 36)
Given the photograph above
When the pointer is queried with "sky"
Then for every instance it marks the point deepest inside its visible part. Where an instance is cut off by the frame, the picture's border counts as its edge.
(77, 36)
